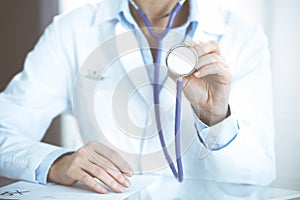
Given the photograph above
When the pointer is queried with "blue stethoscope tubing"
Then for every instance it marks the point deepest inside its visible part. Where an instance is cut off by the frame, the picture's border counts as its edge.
(156, 87)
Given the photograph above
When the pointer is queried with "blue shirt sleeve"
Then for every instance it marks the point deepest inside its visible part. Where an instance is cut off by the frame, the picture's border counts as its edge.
(41, 173)
(220, 135)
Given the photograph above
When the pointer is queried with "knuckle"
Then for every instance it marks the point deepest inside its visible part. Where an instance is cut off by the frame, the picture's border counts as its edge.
(106, 167)
(81, 151)
(98, 172)
(113, 155)
(199, 49)
(207, 48)
(211, 58)
(112, 183)
(125, 165)
(189, 43)
(213, 43)
(111, 169)
(87, 150)
(85, 178)
(218, 68)
(120, 177)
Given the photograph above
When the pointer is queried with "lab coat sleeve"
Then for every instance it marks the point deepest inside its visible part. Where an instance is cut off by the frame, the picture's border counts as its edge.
(43, 170)
(249, 158)
(28, 105)
(220, 135)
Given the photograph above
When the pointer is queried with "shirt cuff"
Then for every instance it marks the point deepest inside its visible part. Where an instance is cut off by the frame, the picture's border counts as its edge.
(41, 173)
(220, 135)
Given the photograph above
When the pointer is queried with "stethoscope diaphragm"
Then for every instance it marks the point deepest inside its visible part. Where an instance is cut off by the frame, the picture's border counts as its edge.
(182, 60)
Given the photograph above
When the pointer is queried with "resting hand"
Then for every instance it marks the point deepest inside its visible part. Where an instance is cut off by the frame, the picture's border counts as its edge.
(94, 160)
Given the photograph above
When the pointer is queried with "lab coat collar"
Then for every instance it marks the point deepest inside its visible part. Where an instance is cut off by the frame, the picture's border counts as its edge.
(207, 13)
(210, 17)
(106, 10)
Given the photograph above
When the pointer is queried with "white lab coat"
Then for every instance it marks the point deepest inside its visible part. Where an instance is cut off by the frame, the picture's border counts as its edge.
(45, 89)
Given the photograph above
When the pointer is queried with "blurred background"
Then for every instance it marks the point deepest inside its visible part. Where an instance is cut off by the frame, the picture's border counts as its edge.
(22, 22)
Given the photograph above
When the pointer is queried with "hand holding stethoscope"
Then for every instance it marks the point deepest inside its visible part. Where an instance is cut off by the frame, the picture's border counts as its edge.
(206, 78)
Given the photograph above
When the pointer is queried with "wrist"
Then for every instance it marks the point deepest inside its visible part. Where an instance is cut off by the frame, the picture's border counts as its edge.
(211, 118)
(57, 169)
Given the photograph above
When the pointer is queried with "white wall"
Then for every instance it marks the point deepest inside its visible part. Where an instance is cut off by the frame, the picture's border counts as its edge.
(285, 46)
(281, 22)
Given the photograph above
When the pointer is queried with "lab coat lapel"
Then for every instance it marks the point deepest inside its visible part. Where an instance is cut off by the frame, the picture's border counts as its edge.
(132, 62)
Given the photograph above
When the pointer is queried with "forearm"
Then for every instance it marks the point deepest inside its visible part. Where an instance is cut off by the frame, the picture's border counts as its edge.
(20, 157)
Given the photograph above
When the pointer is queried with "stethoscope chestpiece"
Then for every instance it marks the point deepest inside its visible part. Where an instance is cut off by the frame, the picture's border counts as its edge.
(182, 60)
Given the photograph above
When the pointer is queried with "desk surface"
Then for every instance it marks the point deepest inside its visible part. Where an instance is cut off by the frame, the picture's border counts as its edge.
(168, 188)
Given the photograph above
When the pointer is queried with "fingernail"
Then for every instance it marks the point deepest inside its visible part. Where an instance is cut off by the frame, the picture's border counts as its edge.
(127, 183)
(104, 191)
(197, 74)
(119, 188)
(101, 190)
(129, 174)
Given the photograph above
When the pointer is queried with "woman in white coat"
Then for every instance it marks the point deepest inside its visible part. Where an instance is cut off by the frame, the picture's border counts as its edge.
(229, 96)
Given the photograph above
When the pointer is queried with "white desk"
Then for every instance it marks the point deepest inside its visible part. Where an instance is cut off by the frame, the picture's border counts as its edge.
(283, 194)
(160, 188)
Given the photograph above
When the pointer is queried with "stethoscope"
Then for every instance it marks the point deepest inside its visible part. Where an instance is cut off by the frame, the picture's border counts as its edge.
(181, 60)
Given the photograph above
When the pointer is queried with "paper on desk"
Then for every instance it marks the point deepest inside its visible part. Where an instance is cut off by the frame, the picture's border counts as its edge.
(28, 191)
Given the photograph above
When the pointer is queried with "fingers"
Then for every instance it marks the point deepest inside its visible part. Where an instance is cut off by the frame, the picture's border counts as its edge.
(208, 55)
(224, 75)
(204, 48)
(94, 161)
(206, 70)
(211, 59)
(114, 157)
(88, 180)
(109, 168)
(212, 64)
(103, 176)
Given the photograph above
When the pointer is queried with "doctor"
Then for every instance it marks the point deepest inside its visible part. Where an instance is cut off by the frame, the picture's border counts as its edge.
(231, 88)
